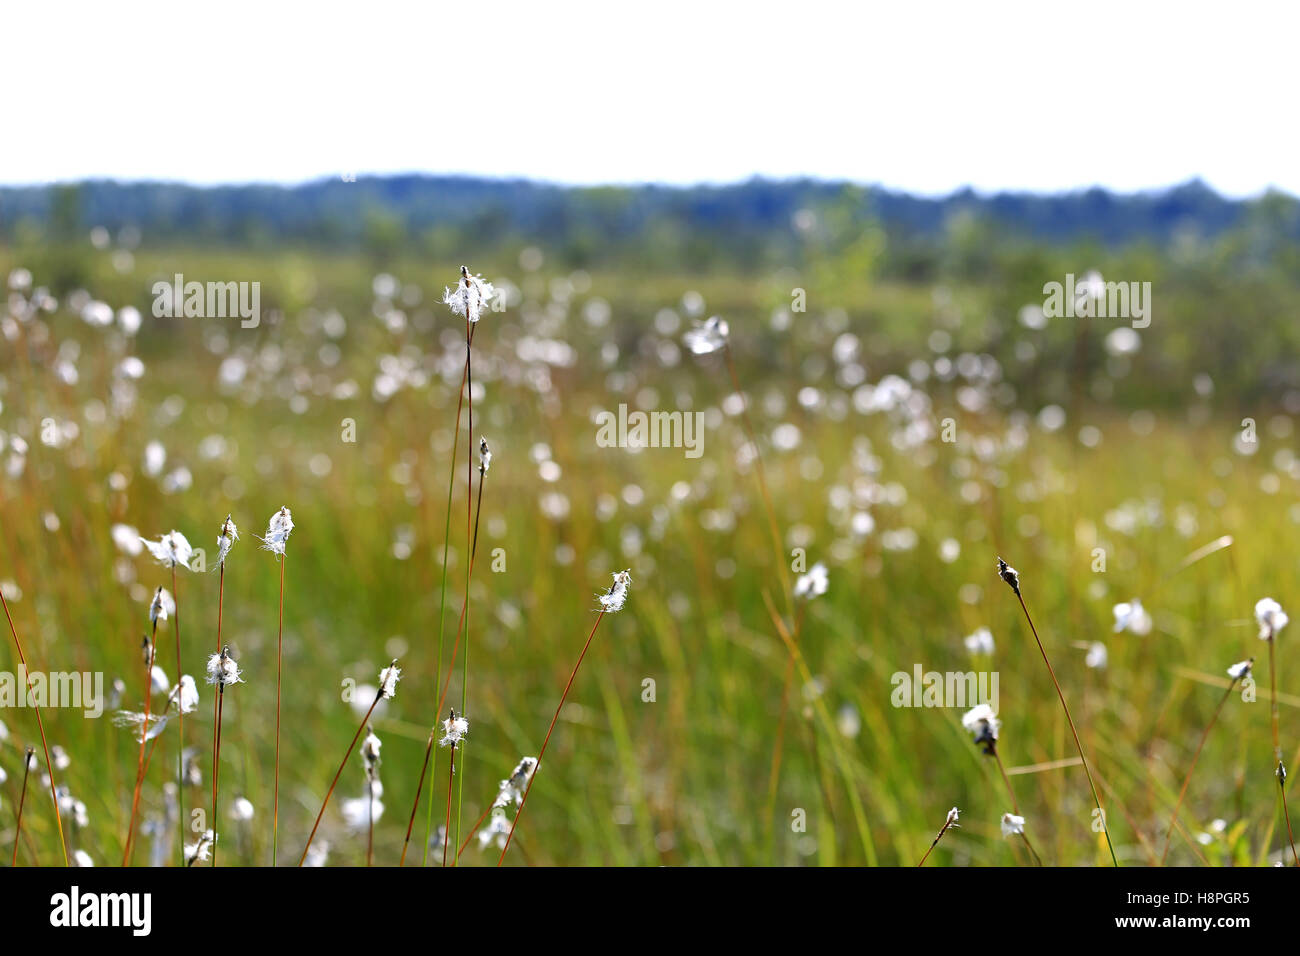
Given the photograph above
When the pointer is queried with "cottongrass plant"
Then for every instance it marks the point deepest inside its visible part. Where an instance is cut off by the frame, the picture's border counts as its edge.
(1271, 619)
(1237, 672)
(40, 724)
(226, 539)
(278, 530)
(454, 730)
(469, 299)
(170, 550)
(222, 671)
(949, 823)
(388, 678)
(611, 602)
(160, 608)
(201, 849)
(1012, 578)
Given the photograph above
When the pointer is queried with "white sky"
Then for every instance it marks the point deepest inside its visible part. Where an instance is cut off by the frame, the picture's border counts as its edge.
(922, 96)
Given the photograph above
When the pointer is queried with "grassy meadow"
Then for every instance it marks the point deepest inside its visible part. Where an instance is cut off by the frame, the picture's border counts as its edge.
(341, 405)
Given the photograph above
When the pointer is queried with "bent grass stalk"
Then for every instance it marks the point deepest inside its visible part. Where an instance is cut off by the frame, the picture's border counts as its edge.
(538, 766)
(40, 724)
(1205, 734)
(1070, 720)
(442, 602)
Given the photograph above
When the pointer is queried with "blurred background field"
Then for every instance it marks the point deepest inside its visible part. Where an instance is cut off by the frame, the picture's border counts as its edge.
(1071, 435)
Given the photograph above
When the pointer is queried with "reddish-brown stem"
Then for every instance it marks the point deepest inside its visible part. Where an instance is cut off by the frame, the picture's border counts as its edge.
(180, 719)
(442, 603)
(216, 706)
(446, 832)
(482, 816)
(40, 724)
(334, 783)
(22, 800)
(451, 669)
(469, 571)
(144, 731)
(538, 766)
(279, 658)
(938, 837)
(216, 761)
(410, 824)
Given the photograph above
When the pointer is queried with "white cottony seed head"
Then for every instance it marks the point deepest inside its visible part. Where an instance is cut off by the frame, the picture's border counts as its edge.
(454, 730)
(613, 600)
(471, 297)
(226, 540)
(813, 584)
(1012, 824)
(710, 336)
(223, 670)
(171, 550)
(161, 607)
(1240, 669)
(388, 678)
(278, 530)
(1271, 618)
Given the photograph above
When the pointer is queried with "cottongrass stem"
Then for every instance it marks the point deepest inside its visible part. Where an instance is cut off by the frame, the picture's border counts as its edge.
(1012, 579)
(28, 759)
(388, 679)
(466, 299)
(225, 541)
(611, 602)
(158, 611)
(948, 824)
